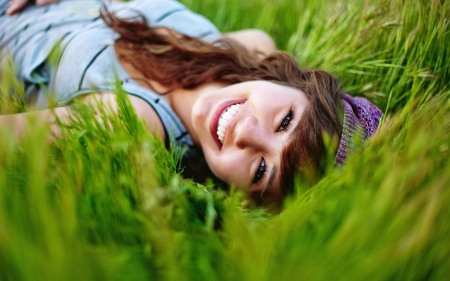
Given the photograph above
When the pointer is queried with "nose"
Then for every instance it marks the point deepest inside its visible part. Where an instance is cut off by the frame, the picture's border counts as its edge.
(250, 134)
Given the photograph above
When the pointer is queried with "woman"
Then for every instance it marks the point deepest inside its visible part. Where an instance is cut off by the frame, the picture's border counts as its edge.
(252, 114)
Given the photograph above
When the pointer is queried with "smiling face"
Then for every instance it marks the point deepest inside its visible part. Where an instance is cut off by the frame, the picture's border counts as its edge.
(243, 129)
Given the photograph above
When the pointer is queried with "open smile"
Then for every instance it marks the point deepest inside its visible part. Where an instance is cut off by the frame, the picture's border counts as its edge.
(221, 119)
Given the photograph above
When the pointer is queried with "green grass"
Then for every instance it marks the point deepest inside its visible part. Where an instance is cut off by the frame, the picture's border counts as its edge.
(104, 204)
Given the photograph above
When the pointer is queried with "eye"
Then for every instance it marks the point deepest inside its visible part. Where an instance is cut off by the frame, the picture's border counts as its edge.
(260, 172)
(284, 125)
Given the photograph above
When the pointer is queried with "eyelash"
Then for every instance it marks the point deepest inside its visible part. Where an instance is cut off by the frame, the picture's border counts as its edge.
(283, 127)
(260, 172)
(289, 117)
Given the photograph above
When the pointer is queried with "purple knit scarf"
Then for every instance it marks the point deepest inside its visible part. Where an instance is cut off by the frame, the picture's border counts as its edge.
(360, 116)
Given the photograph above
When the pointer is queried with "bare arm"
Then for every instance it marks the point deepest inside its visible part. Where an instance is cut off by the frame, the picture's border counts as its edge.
(17, 5)
(254, 40)
(18, 124)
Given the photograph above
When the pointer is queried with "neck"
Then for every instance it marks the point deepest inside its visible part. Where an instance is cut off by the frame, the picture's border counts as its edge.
(182, 100)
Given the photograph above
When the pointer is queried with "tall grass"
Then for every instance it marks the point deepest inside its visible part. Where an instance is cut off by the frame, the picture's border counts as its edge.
(106, 201)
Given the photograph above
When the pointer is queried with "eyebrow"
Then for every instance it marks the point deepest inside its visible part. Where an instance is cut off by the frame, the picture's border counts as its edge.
(271, 178)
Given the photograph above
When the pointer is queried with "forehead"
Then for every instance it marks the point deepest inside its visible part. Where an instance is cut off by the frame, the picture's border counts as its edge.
(271, 87)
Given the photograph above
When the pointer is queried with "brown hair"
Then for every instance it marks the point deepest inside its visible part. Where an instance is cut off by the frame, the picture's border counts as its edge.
(175, 60)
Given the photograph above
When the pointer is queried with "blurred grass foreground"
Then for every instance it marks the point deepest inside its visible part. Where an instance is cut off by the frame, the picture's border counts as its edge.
(103, 204)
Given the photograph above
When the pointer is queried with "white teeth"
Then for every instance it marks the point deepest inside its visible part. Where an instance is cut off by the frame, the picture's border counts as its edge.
(224, 119)
(223, 122)
(227, 115)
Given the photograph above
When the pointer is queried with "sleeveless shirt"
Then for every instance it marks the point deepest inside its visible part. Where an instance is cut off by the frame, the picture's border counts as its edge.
(86, 58)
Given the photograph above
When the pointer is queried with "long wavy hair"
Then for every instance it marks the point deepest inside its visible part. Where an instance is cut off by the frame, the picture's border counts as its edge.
(178, 61)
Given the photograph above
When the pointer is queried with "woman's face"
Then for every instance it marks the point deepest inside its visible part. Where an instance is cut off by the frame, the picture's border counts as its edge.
(242, 130)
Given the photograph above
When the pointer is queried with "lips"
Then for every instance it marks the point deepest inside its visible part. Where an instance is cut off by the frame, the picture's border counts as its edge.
(221, 119)
(225, 118)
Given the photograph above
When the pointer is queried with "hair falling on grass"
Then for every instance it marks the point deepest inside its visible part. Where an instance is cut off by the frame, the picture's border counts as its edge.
(137, 140)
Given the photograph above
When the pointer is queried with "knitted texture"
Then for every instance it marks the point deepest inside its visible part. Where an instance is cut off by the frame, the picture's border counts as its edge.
(360, 117)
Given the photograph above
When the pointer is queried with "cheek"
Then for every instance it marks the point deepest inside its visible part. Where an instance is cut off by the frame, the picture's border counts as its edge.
(199, 111)
(228, 168)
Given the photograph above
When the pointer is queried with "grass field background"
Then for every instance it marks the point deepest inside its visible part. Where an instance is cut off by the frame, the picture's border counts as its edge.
(103, 204)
